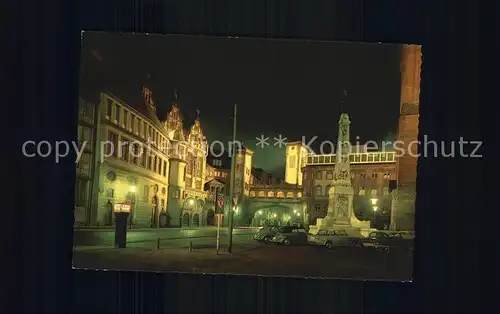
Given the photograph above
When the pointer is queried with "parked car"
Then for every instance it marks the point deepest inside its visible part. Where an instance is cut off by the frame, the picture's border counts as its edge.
(385, 241)
(406, 235)
(289, 235)
(331, 239)
(265, 234)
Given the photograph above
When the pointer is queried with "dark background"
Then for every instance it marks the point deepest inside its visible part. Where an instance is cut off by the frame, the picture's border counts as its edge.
(288, 87)
(453, 271)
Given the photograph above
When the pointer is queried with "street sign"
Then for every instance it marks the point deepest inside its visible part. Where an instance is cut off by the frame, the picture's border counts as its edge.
(122, 207)
(220, 205)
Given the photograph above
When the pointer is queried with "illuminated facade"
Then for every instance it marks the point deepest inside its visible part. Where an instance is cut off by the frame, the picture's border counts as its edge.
(157, 166)
(371, 174)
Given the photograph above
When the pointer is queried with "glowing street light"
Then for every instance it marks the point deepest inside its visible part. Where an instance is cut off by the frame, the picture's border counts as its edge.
(132, 188)
(374, 201)
(190, 202)
(294, 211)
(375, 208)
(259, 212)
(275, 215)
(298, 214)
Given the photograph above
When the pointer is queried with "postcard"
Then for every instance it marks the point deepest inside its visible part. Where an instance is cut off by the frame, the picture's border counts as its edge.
(247, 156)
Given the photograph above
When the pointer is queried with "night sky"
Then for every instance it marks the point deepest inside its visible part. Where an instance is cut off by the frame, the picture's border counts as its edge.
(294, 88)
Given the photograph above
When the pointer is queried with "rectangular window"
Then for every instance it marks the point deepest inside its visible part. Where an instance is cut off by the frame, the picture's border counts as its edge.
(146, 193)
(150, 163)
(87, 138)
(125, 119)
(117, 113)
(132, 122)
(124, 149)
(142, 129)
(134, 152)
(162, 202)
(109, 112)
(143, 159)
(291, 162)
(84, 164)
(80, 135)
(112, 147)
(164, 168)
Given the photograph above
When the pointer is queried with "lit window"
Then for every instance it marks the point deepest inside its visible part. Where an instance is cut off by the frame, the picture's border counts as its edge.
(318, 190)
(270, 194)
(317, 207)
(281, 195)
(329, 175)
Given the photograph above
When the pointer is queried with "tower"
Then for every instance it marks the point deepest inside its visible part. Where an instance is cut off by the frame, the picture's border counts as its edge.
(403, 213)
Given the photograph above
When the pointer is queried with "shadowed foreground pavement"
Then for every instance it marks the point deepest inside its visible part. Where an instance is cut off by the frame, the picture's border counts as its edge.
(254, 259)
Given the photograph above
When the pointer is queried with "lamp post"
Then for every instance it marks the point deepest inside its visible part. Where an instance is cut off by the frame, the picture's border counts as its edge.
(231, 183)
(374, 202)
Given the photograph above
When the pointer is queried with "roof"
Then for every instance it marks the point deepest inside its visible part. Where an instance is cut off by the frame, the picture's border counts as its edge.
(136, 102)
(206, 186)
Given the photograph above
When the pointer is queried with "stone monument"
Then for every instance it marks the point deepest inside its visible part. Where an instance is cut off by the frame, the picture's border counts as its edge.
(340, 213)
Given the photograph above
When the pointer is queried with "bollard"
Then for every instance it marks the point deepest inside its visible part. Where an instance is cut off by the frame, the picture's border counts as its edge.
(190, 246)
(158, 244)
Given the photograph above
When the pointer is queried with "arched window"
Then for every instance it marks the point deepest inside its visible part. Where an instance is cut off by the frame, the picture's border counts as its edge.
(329, 175)
(252, 193)
(262, 194)
(281, 194)
(327, 189)
(318, 190)
(270, 194)
(289, 195)
(299, 194)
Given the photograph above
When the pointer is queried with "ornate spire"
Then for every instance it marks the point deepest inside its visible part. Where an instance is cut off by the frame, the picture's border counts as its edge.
(197, 115)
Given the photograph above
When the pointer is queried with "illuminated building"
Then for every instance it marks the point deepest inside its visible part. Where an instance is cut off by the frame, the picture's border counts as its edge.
(166, 178)
(371, 174)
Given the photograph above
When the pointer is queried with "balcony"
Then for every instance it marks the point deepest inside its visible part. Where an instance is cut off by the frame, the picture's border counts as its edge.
(354, 158)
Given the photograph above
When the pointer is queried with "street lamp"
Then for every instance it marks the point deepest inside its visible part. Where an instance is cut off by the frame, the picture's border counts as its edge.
(132, 188)
(374, 201)
(375, 208)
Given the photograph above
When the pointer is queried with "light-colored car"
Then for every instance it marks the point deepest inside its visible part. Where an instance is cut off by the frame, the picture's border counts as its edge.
(265, 234)
(331, 239)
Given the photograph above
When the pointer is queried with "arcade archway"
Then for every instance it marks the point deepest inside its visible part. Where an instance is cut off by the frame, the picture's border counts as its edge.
(185, 220)
(210, 217)
(196, 220)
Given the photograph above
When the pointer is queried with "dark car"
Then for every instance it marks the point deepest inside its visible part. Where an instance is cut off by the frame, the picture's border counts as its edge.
(384, 241)
(265, 234)
(289, 235)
